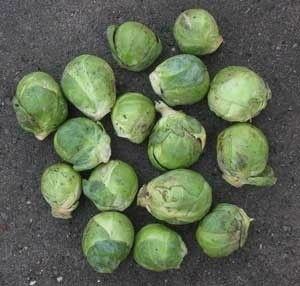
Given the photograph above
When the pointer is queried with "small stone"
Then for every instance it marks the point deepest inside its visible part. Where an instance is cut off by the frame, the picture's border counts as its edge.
(286, 228)
(28, 202)
(59, 279)
(295, 45)
(33, 282)
(98, 281)
(260, 246)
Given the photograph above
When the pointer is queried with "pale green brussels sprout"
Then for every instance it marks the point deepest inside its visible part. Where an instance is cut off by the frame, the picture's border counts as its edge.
(180, 80)
(242, 152)
(61, 188)
(196, 32)
(158, 248)
(223, 231)
(238, 94)
(133, 45)
(178, 197)
(112, 186)
(89, 83)
(133, 116)
(107, 241)
(39, 104)
(177, 140)
(83, 143)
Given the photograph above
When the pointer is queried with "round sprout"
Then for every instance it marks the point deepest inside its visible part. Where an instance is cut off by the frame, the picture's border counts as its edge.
(133, 116)
(223, 231)
(242, 152)
(196, 32)
(83, 143)
(112, 186)
(89, 83)
(177, 140)
(178, 197)
(39, 104)
(238, 94)
(134, 46)
(107, 241)
(179, 80)
(61, 188)
(159, 248)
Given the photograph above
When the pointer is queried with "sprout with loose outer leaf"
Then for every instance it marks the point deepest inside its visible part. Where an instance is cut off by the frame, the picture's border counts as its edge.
(177, 140)
(61, 188)
(238, 94)
(83, 143)
(133, 45)
(243, 152)
(196, 32)
(39, 104)
(112, 186)
(89, 83)
(178, 197)
(223, 231)
(133, 116)
(181, 79)
(107, 241)
(159, 248)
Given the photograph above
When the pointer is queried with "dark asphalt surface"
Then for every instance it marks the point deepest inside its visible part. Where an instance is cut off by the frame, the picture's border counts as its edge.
(264, 35)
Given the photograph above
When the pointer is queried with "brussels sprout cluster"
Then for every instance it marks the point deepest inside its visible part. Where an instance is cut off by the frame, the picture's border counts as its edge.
(176, 142)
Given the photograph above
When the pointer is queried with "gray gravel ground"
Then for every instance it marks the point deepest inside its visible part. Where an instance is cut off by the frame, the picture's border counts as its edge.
(44, 35)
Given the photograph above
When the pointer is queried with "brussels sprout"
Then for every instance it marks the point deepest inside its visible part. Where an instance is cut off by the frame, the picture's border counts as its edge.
(158, 248)
(133, 45)
(133, 116)
(223, 231)
(83, 143)
(112, 186)
(196, 32)
(107, 241)
(238, 94)
(243, 152)
(179, 80)
(177, 140)
(61, 188)
(89, 83)
(178, 197)
(39, 104)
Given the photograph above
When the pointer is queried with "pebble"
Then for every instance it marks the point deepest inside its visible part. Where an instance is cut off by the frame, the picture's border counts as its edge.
(59, 279)
(33, 282)
(286, 228)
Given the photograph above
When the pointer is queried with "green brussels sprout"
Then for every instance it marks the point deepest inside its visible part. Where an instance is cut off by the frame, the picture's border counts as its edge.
(242, 152)
(61, 188)
(178, 197)
(83, 143)
(39, 104)
(196, 32)
(107, 241)
(238, 94)
(177, 140)
(133, 116)
(133, 45)
(181, 79)
(112, 186)
(158, 248)
(89, 83)
(223, 231)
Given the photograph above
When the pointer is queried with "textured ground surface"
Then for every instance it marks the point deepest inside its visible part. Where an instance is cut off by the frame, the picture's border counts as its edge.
(42, 34)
